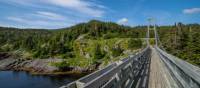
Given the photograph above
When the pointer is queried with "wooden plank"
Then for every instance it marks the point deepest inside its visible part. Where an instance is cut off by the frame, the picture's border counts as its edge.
(159, 74)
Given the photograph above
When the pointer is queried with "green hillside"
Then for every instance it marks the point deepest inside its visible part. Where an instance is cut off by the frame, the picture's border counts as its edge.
(82, 45)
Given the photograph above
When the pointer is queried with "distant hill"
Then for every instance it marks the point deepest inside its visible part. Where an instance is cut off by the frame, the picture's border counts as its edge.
(82, 45)
(96, 43)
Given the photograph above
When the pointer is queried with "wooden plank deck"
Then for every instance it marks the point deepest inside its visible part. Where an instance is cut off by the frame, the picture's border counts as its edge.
(159, 74)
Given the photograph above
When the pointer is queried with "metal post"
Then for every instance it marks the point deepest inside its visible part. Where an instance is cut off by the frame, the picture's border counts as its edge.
(156, 36)
(148, 30)
(152, 20)
(147, 38)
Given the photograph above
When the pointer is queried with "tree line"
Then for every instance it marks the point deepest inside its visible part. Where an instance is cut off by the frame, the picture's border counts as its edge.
(43, 43)
(182, 40)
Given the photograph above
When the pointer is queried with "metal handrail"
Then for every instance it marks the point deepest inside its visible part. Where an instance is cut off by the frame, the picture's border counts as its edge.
(186, 74)
(101, 77)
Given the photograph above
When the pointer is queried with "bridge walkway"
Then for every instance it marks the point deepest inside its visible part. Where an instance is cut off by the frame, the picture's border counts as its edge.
(159, 74)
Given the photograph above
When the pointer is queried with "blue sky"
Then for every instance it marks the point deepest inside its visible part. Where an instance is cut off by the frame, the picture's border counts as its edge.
(64, 13)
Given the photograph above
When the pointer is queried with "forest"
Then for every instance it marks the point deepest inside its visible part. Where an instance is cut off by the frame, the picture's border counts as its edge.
(86, 44)
(83, 45)
(182, 41)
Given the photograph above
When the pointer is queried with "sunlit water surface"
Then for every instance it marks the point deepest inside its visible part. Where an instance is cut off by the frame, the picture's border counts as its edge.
(13, 79)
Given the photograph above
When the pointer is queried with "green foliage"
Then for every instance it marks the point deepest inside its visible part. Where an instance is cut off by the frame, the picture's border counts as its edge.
(117, 51)
(182, 41)
(152, 41)
(135, 43)
(100, 42)
(64, 65)
(54, 43)
(98, 53)
(80, 45)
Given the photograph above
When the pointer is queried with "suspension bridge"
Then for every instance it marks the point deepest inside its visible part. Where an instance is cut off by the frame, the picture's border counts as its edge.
(152, 67)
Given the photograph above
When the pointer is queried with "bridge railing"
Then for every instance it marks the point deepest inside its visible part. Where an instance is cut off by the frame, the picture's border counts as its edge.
(185, 74)
(117, 75)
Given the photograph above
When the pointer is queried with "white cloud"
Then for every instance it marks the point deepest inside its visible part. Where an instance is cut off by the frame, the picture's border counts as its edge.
(191, 11)
(50, 14)
(38, 23)
(26, 21)
(87, 7)
(54, 13)
(16, 19)
(82, 6)
(41, 15)
(122, 21)
(43, 19)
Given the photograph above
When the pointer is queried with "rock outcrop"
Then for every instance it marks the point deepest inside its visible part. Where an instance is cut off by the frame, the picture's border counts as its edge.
(37, 65)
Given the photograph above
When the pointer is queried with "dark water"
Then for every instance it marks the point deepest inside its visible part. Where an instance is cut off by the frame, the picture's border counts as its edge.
(13, 79)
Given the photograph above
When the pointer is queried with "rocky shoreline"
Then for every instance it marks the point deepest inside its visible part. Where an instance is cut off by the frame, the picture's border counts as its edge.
(40, 67)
